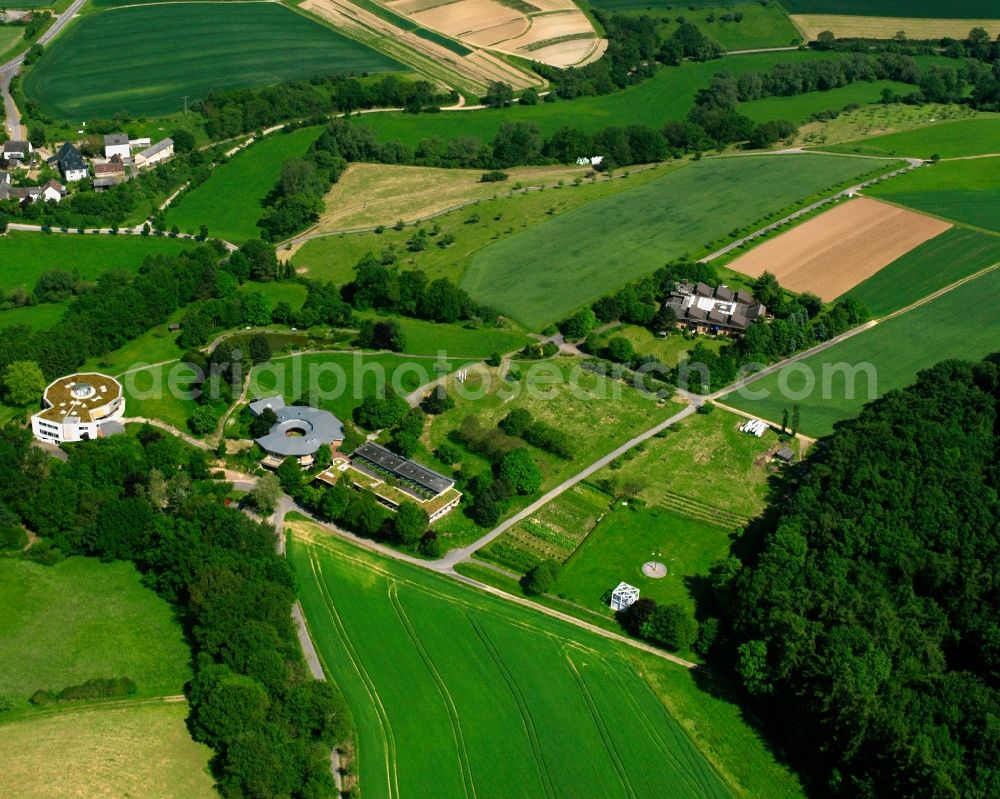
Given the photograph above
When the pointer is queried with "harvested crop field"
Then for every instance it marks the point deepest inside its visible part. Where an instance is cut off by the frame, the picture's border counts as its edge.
(844, 26)
(368, 194)
(839, 249)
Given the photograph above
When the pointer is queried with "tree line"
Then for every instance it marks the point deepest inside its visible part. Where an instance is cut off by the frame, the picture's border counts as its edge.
(860, 612)
(148, 498)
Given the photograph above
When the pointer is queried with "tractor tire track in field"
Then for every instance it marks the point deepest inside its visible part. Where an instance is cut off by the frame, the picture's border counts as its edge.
(392, 776)
(456, 722)
(689, 764)
(522, 705)
(609, 742)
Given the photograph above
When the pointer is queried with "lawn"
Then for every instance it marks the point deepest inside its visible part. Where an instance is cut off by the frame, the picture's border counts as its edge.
(429, 338)
(960, 9)
(669, 350)
(948, 139)
(26, 256)
(545, 272)
(629, 537)
(960, 324)
(341, 380)
(871, 121)
(954, 254)
(667, 96)
(9, 36)
(105, 753)
(185, 49)
(83, 619)
(232, 199)
(760, 26)
(473, 227)
(963, 191)
(451, 688)
(159, 392)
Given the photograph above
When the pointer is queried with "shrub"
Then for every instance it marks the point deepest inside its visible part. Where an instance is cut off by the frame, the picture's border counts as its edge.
(13, 538)
(541, 578)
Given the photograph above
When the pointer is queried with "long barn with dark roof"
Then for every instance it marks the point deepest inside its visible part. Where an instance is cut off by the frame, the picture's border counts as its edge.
(719, 310)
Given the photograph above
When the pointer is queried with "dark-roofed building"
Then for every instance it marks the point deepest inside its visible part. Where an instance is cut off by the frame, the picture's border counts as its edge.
(403, 469)
(720, 310)
(785, 455)
(299, 431)
(69, 161)
(17, 150)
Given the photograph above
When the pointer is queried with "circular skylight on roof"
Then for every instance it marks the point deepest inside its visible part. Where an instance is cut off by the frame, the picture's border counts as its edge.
(82, 391)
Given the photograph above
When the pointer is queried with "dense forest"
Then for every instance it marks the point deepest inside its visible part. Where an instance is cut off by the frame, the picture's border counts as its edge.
(862, 614)
(148, 498)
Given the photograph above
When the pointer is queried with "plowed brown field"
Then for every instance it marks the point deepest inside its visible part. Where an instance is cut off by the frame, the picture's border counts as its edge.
(835, 251)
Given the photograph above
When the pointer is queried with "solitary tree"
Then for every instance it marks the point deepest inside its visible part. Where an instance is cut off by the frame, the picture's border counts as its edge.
(520, 469)
(410, 522)
(266, 493)
(541, 578)
(499, 95)
(671, 626)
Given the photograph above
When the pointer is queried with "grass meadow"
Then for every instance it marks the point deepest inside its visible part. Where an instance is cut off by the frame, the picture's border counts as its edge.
(761, 25)
(960, 324)
(53, 638)
(431, 338)
(963, 191)
(954, 254)
(183, 49)
(9, 37)
(474, 227)
(960, 9)
(104, 752)
(801, 107)
(451, 688)
(26, 256)
(232, 199)
(35, 317)
(952, 139)
(292, 293)
(667, 96)
(543, 273)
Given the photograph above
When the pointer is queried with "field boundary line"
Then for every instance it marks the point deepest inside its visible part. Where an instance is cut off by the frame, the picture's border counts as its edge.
(602, 728)
(522, 704)
(461, 749)
(941, 292)
(392, 776)
(949, 220)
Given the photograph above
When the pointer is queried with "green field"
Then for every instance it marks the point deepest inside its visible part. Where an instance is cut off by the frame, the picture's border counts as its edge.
(143, 750)
(934, 264)
(454, 691)
(946, 139)
(543, 273)
(474, 227)
(159, 392)
(9, 36)
(667, 96)
(960, 324)
(343, 378)
(800, 108)
(961, 9)
(83, 619)
(232, 199)
(217, 46)
(25, 256)
(761, 26)
(429, 338)
(963, 191)
(292, 293)
(37, 317)
(626, 539)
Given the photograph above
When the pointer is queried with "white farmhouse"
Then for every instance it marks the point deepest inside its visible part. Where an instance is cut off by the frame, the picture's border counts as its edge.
(161, 151)
(79, 407)
(117, 144)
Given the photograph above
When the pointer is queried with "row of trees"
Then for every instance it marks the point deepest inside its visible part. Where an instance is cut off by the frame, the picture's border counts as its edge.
(861, 614)
(146, 498)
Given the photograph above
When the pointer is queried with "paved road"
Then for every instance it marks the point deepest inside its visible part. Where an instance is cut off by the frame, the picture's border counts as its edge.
(12, 67)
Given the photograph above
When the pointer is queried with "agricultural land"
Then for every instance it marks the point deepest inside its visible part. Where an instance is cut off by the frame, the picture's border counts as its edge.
(964, 191)
(961, 323)
(845, 26)
(232, 199)
(758, 25)
(832, 253)
(681, 213)
(946, 139)
(224, 46)
(435, 672)
(80, 620)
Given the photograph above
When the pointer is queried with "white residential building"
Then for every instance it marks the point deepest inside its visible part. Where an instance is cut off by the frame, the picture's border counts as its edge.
(161, 151)
(117, 144)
